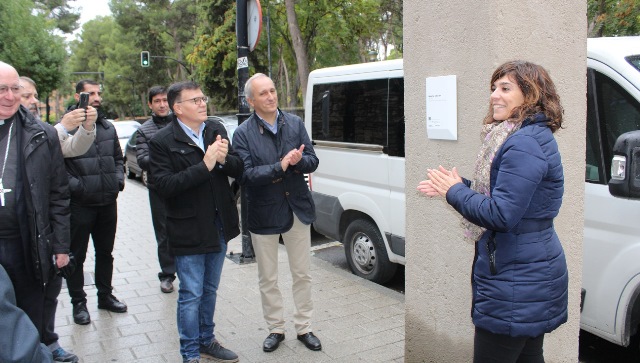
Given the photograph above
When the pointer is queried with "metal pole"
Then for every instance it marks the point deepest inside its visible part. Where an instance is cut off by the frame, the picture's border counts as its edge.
(243, 113)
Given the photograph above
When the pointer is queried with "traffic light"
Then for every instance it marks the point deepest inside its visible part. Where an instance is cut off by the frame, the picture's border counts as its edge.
(145, 58)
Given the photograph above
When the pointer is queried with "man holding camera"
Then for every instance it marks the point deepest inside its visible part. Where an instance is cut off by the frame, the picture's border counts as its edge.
(34, 205)
(95, 179)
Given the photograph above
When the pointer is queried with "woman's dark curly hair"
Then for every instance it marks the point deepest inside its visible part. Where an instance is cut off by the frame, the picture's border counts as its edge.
(538, 89)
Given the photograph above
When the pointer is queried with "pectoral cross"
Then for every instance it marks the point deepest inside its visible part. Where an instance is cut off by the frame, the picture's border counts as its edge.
(2, 191)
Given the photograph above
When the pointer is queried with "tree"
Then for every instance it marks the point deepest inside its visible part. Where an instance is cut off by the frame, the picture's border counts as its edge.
(26, 42)
(165, 28)
(613, 17)
(60, 13)
(104, 47)
(299, 47)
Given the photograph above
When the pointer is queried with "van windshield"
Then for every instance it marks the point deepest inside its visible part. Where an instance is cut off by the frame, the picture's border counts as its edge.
(634, 60)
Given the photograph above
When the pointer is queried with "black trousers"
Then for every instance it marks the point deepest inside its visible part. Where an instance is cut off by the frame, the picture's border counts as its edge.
(99, 223)
(40, 306)
(158, 217)
(497, 348)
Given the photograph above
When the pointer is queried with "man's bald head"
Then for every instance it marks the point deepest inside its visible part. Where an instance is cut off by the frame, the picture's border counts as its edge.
(10, 91)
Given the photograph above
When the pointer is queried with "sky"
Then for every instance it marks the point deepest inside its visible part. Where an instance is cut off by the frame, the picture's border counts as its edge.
(90, 9)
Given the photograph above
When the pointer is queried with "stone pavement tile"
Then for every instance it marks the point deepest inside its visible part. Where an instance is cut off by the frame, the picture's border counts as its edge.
(383, 312)
(145, 299)
(383, 325)
(384, 353)
(124, 355)
(119, 343)
(141, 328)
(152, 349)
(154, 359)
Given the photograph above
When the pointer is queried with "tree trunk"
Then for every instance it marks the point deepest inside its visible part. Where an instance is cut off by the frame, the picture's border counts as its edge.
(298, 47)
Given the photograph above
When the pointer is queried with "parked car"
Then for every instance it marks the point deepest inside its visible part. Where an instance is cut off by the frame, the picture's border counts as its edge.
(131, 168)
(125, 129)
(356, 113)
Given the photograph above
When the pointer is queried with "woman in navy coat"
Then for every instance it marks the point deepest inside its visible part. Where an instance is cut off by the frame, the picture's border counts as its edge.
(520, 277)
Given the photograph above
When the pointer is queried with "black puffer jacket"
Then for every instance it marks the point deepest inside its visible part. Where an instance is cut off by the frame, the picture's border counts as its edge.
(97, 176)
(145, 133)
(44, 188)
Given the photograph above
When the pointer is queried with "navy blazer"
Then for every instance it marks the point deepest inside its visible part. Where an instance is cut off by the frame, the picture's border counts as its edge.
(273, 195)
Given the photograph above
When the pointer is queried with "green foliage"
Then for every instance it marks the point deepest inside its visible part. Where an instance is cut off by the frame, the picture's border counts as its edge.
(60, 13)
(335, 32)
(27, 43)
(613, 17)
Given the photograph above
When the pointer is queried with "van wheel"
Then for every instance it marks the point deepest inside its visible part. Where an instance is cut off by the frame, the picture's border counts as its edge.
(144, 177)
(366, 253)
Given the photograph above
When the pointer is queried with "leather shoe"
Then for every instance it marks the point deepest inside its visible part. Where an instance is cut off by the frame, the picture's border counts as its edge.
(112, 304)
(81, 314)
(166, 286)
(272, 342)
(310, 341)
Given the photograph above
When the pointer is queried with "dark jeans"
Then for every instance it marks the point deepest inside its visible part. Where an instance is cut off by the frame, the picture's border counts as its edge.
(497, 348)
(99, 223)
(39, 305)
(158, 217)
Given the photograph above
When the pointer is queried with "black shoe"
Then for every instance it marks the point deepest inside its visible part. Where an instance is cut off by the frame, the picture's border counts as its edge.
(81, 314)
(310, 341)
(166, 286)
(272, 342)
(112, 304)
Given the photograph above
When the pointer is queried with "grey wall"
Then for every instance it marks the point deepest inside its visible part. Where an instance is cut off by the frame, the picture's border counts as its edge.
(470, 39)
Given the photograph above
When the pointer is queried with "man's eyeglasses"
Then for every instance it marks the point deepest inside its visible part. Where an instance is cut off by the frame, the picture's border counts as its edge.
(196, 100)
(16, 90)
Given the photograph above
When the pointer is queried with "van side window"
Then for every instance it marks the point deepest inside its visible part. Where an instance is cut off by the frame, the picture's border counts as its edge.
(396, 117)
(594, 172)
(357, 112)
(617, 111)
(360, 112)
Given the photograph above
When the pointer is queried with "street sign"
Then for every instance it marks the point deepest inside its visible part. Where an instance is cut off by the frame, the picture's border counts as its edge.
(254, 23)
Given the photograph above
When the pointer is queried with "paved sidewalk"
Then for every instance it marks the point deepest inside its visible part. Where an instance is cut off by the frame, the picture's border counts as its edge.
(356, 320)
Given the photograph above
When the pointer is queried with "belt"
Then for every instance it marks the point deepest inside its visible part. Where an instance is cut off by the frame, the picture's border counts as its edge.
(532, 225)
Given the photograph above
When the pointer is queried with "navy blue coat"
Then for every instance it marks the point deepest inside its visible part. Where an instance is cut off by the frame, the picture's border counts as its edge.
(274, 195)
(527, 295)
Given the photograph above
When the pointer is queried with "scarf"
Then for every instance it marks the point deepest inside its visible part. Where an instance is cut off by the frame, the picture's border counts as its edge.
(493, 136)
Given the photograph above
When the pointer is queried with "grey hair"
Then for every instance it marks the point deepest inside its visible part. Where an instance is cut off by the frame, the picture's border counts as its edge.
(247, 86)
(28, 80)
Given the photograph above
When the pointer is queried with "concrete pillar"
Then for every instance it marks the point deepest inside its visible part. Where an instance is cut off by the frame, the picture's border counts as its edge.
(470, 39)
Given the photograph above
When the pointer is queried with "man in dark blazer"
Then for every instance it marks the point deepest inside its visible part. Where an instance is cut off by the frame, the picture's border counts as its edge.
(277, 152)
(190, 162)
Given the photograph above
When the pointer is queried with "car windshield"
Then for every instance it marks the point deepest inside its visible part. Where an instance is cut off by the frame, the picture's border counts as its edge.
(125, 130)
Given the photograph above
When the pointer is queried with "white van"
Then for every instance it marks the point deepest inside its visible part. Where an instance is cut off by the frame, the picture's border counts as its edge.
(355, 116)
